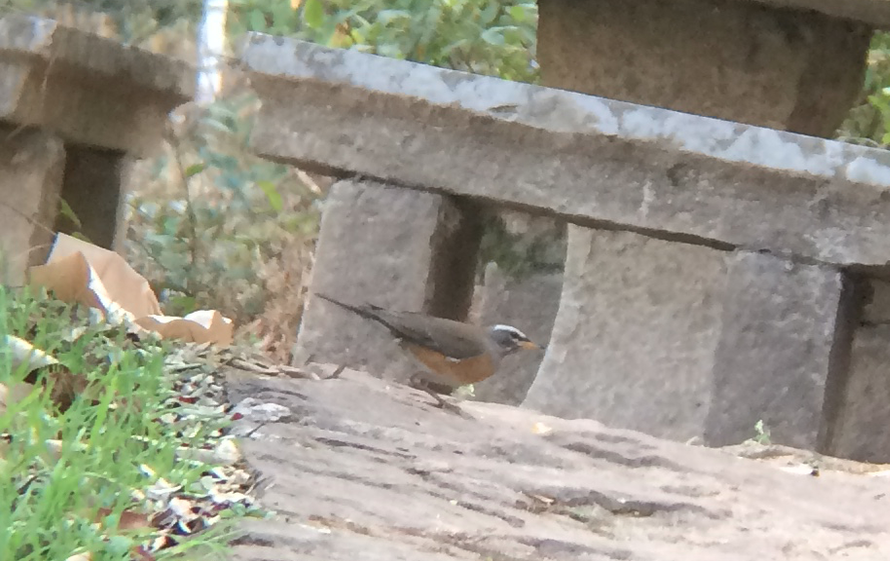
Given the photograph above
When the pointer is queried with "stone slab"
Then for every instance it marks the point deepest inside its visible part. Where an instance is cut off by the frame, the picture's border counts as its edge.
(368, 470)
(32, 163)
(86, 88)
(783, 69)
(587, 160)
(530, 304)
(781, 344)
(864, 415)
(392, 247)
(628, 349)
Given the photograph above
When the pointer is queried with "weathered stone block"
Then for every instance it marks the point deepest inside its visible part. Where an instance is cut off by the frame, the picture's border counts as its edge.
(86, 88)
(784, 69)
(31, 168)
(530, 304)
(872, 12)
(585, 160)
(861, 432)
(393, 247)
(864, 414)
(633, 342)
(783, 347)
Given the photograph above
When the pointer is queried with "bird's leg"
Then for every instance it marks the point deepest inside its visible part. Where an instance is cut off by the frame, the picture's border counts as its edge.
(418, 382)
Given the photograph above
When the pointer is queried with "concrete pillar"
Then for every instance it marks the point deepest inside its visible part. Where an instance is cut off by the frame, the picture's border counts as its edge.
(646, 337)
(634, 339)
(396, 248)
(783, 351)
(740, 61)
(864, 412)
(31, 167)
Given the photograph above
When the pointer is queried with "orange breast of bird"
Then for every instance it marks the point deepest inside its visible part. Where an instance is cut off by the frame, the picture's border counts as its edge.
(466, 371)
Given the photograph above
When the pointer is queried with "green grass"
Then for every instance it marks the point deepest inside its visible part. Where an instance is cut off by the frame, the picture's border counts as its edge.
(113, 448)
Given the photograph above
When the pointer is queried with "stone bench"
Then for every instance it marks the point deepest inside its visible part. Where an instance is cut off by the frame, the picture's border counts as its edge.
(779, 240)
(794, 65)
(73, 107)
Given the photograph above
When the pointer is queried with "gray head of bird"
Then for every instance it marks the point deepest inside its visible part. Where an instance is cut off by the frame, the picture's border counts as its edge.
(506, 339)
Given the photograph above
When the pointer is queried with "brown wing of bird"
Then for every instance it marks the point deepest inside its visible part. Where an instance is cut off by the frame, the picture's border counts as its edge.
(454, 339)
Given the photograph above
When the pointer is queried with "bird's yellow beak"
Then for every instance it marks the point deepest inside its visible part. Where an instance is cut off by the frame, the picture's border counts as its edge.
(530, 345)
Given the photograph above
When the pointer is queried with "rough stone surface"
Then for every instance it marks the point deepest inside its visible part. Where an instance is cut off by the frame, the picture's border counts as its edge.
(530, 304)
(634, 338)
(861, 432)
(782, 69)
(864, 416)
(93, 189)
(396, 248)
(31, 168)
(362, 469)
(86, 88)
(587, 160)
(873, 12)
(780, 345)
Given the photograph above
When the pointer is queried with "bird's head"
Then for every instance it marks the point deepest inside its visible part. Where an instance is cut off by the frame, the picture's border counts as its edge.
(507, 339)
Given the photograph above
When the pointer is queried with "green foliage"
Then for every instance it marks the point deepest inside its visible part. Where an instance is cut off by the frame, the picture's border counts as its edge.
(217, 214)
(869, 120)
(134, 20)
(762, 433)
(519, 255)
(482, 36)
(59, 468)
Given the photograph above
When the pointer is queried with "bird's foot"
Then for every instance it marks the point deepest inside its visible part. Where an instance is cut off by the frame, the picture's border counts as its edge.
(419, 383)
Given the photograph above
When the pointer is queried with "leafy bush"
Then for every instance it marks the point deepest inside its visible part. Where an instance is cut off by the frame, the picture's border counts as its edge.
(869, 120)
(214, 226)
(482, 36)
(87, 443)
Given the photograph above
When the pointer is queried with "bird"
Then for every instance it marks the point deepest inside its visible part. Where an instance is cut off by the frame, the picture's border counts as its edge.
(457, 353)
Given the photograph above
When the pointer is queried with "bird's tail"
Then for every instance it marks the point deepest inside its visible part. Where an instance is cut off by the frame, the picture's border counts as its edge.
(368, 311)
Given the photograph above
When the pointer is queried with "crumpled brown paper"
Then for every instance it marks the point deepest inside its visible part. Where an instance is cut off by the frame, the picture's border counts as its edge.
(78, 271)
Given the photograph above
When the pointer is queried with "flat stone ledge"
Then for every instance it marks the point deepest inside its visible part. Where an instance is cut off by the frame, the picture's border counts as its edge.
(87, 88)
(587, 160)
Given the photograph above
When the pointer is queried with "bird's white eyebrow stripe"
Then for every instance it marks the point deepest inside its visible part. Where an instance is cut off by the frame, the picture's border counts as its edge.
(503, 327)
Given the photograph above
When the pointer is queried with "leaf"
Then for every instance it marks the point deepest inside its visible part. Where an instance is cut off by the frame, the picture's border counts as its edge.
(68, 213)
(493, 36)
(518, 13)
(219, 125)
(313, 14)
(257, 20)
(386, 17)
(284, 18)
(489, 13)
(182, 305)
(195, 169)
(272, 194)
